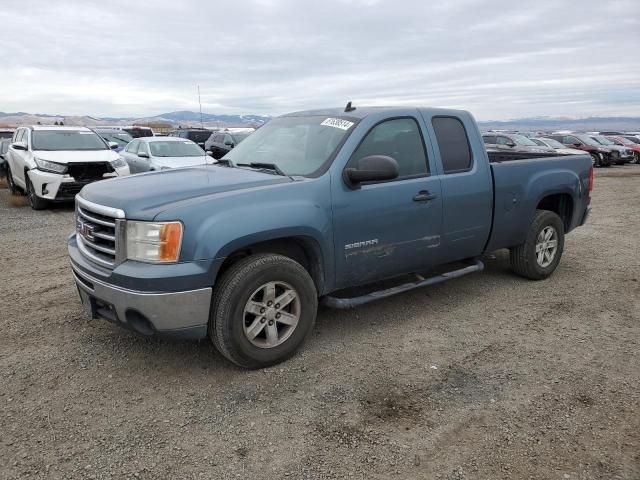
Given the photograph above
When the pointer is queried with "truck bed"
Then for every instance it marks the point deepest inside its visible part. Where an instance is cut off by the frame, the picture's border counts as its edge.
(520, 187)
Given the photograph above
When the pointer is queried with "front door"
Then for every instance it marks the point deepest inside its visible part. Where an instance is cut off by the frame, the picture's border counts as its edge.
(388, 228)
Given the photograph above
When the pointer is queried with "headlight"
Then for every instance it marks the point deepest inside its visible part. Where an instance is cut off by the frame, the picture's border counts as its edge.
(119, 163)
(47, 166)
(154, 242)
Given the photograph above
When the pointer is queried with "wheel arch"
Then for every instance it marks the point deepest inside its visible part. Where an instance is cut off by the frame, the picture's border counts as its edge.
(561, 204)
(303, 249)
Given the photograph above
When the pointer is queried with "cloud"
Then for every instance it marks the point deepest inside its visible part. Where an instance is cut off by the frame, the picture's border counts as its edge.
(499, 59)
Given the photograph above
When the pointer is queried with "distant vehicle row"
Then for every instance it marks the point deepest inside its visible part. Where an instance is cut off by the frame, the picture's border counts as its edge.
(605, 150)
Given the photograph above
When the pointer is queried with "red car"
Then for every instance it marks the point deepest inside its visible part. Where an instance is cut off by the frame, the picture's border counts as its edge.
(625, 142)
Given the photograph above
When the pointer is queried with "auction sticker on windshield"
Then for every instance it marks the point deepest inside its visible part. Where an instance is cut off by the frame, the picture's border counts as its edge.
(337, 123)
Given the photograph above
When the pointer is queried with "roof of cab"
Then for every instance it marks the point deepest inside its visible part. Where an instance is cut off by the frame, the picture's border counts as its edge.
(62, 128)
(362, 112)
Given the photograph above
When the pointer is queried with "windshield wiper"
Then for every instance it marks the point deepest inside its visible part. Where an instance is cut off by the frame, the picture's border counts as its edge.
(264, 165)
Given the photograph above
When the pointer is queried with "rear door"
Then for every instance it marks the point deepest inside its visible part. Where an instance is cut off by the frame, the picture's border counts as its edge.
(17, 158)
(383, 229)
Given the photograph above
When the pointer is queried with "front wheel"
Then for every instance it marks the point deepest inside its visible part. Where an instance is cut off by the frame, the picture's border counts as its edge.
(35, 201)
(263, 309)
(538, 257)
(595, 158)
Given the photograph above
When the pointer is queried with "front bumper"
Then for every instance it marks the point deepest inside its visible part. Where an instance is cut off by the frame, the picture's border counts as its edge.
(178, 314)
(54, 186)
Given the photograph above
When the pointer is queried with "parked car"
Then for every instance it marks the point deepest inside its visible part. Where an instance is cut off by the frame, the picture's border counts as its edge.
(221, 143)
(316, 206)
(633, 138)
(135, 131)
(602, 156)
(513, 142)
(120, 137)
(197, 135)
(6, 132)
(625, 155)
(556, 146)
(162, 153)
(629, 144)
(52, 163)
(4, 148)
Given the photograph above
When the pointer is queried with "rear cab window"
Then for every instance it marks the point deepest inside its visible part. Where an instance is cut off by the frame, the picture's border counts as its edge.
(453, 143)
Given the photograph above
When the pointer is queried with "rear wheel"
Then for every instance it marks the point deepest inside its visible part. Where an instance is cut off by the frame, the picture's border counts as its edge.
(263, 309)
(35, 201)
(538, 257)
(13, 188)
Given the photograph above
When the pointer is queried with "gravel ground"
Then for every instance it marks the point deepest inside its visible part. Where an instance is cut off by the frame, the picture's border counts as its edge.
(489, 376)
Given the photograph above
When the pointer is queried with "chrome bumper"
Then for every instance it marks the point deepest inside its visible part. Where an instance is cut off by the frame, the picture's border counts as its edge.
(183, 314)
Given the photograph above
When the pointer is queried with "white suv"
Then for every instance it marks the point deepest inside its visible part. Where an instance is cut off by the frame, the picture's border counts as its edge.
(54, 163)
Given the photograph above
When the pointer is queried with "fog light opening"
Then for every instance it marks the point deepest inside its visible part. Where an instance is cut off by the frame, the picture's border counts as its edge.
(139, 322)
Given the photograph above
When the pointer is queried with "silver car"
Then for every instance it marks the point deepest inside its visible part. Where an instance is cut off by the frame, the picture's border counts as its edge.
(160, 153)
(512, 142)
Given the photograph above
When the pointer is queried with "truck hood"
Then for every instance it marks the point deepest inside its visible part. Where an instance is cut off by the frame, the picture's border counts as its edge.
(70, 156)
(145, 195)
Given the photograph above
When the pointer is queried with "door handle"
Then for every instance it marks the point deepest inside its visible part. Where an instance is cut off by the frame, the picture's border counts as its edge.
(424, 196)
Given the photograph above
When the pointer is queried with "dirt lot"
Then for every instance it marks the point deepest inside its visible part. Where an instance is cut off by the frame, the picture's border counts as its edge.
(489, 376)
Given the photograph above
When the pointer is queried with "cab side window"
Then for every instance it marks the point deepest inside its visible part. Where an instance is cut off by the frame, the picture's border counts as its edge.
(399, 139)
(142, 147)
(503, 141)
(489, 139)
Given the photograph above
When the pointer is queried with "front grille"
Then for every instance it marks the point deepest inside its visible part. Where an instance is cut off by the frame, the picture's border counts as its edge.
(99, 230)
(89, 171)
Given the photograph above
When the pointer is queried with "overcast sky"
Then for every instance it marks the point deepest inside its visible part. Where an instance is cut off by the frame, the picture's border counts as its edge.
(499, 59)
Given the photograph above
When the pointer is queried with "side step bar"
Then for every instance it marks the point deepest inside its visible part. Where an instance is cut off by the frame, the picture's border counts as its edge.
(334, 302)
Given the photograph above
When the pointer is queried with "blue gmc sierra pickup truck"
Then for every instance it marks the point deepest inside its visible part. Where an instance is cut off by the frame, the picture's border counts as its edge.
(340, 206)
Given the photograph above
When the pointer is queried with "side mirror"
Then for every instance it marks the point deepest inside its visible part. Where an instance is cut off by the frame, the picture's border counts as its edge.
(374, 168)
(19, 146)
(229, 144)
(143, 154)
(577, 144)
(113, 145)
(511, 144)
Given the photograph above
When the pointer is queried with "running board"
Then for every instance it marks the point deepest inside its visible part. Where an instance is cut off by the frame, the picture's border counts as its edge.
(334, 302)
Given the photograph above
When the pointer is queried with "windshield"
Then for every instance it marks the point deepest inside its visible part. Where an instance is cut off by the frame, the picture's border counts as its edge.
(66, 140)
(137, 132)
(168, 148)
(297, 145)
(588, 140)
(121, 138)
(602, 140)
(553, 143)
(522, 140)
(633, 139)
(622, 141)
(199, 136)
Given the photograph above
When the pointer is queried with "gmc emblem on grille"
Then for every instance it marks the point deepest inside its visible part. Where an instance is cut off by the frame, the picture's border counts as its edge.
(85, 230)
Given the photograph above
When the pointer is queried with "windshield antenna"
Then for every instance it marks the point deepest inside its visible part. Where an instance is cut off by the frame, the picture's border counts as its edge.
(349, 108)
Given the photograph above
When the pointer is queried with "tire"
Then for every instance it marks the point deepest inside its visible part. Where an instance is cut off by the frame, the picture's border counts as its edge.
(13, 188)
(596, 160)
(525, 260)
(245, 282)
(35, 201)
(636, 158)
